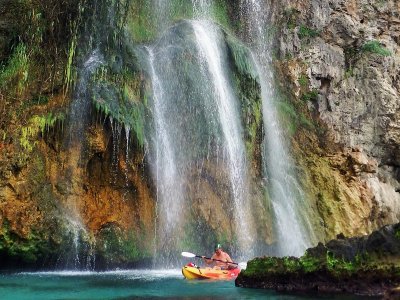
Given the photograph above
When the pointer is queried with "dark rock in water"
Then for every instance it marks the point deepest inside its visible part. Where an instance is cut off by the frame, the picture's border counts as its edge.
(367, 265)
(393, 294)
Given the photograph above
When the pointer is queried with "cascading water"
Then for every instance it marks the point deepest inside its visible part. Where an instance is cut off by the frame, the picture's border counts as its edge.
(169, 188)
(213, 63)
(293, 231)
(196, 121)
(78, 118)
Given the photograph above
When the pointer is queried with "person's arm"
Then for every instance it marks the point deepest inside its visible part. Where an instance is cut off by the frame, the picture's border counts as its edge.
(208, 261)
(228, 259)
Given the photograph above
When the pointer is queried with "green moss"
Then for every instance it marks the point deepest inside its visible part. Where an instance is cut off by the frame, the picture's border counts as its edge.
(306, 123)
(220, 14)
(349, 73)
(181, 9)
(310, 96)
(292, 264)
(291, 117)
(375, 47)
(115, 97)
(259, 266)
(290, 17)
(15, 72)
(69, 71)
(397, 233)
(37, 124)
(29, 249)
(305, 32)
(118, 247)
(288, 115)
(199, 237)
(303, 80)
(309, 263)
(45, 122)
(141, 22)
(248, 88)
(241, 56)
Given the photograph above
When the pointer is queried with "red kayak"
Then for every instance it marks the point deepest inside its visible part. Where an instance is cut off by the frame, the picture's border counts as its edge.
(192, 272)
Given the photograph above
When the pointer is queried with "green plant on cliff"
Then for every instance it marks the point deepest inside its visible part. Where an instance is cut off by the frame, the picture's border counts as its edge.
(309, 263)
(290, 17)
(15, 72)
(37, 124)
(375, 47)
(242, 59)
(26, 249)
(220, 13)
(303, 80)
(27, 137)
(247, 86)
(397, 233)
(117, 95)
(141, 22)
(292, 264)
(306, 32)
(310, 95)
(289, 116)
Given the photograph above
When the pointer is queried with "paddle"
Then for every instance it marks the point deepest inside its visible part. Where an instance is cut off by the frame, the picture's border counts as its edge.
(188, 254)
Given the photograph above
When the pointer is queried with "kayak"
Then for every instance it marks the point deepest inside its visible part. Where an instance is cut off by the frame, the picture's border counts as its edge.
(190, 272)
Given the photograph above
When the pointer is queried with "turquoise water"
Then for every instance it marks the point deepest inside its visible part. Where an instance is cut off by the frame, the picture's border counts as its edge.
(136, 284)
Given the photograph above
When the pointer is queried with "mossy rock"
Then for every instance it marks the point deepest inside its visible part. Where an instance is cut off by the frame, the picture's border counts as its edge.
(117, 248)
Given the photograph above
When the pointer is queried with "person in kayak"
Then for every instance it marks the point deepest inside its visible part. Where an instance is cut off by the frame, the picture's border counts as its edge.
(220, 255)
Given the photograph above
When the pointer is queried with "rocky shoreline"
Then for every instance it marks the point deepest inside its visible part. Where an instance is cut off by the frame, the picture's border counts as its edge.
(367, 265)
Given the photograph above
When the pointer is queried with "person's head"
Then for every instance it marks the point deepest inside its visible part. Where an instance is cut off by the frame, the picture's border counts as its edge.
(218, 248)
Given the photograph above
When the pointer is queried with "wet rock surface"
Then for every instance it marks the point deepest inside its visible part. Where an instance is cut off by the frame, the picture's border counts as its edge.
(367, 265)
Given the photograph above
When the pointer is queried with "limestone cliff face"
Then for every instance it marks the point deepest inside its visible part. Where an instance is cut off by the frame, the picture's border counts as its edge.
(342, 61)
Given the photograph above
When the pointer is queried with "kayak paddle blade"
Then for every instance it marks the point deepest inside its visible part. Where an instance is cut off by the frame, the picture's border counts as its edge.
(188, 254)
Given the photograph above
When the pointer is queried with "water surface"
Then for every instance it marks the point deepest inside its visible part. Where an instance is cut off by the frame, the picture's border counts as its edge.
(135, 284)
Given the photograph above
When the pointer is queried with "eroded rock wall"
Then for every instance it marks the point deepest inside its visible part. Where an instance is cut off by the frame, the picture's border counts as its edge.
(341, 60)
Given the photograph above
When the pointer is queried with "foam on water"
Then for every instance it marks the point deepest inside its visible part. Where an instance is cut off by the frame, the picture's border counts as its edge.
(145, 274)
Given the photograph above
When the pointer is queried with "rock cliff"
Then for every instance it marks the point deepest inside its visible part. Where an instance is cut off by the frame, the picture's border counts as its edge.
(340, 61)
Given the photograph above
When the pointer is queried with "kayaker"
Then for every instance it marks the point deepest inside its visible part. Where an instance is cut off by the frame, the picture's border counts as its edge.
(220, 255)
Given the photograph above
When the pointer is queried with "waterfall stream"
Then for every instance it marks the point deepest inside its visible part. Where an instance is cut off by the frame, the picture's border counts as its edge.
(78, 120)
(212, 61)
(196, 119)
(170, 194)
(293, 232)
(210, 98)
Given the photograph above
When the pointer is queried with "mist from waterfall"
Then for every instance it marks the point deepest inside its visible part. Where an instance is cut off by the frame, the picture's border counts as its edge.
(292, 228)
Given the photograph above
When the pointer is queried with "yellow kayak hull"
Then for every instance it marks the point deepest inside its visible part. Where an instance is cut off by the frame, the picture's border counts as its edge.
(209, 273)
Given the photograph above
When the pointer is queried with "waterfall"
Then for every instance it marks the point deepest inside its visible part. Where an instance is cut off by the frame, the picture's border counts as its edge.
(293, 231)
(169, 189)
(212, 61)
(196, 121)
